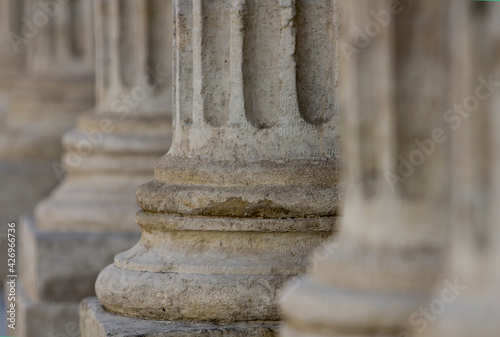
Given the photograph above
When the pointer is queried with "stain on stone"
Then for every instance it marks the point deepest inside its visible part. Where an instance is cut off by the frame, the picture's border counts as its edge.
(237, 207)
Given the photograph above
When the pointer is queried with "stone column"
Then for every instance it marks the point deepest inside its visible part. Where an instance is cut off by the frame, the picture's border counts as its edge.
(90, 216)
(44, 100)
(389, 251)
(12, 67)
(473, 307)
(251, 183)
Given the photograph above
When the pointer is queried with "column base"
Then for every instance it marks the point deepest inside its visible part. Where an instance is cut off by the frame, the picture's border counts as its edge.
(44, 319)
(96, 322)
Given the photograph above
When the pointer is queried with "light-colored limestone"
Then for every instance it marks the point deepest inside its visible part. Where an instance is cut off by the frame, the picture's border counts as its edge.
(251, 183)
(90, 216)
(475, 247)
(389, 252)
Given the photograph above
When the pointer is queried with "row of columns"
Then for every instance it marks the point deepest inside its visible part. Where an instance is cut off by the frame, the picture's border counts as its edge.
(419, 210)
(252, 182)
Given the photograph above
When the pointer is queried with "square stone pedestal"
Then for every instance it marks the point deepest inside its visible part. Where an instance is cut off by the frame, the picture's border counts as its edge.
(97, 322)
(63, 266)
(57, 270)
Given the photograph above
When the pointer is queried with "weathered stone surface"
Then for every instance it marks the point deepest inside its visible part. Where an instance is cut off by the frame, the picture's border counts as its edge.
(96, 322)
(251, 183)
(390, 250)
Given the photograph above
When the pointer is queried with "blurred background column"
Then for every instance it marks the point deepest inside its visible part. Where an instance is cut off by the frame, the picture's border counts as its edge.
(43, 101)
(90, 216)
(59, 44)
(12, 59)
(389, 252)
(251, 183)
(12, 69)
(475, 257)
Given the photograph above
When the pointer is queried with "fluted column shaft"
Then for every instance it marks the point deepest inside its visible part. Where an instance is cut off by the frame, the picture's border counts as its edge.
(134, 51)
(475, 250)
(389, 251)
(64, 46)
(250, 184)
